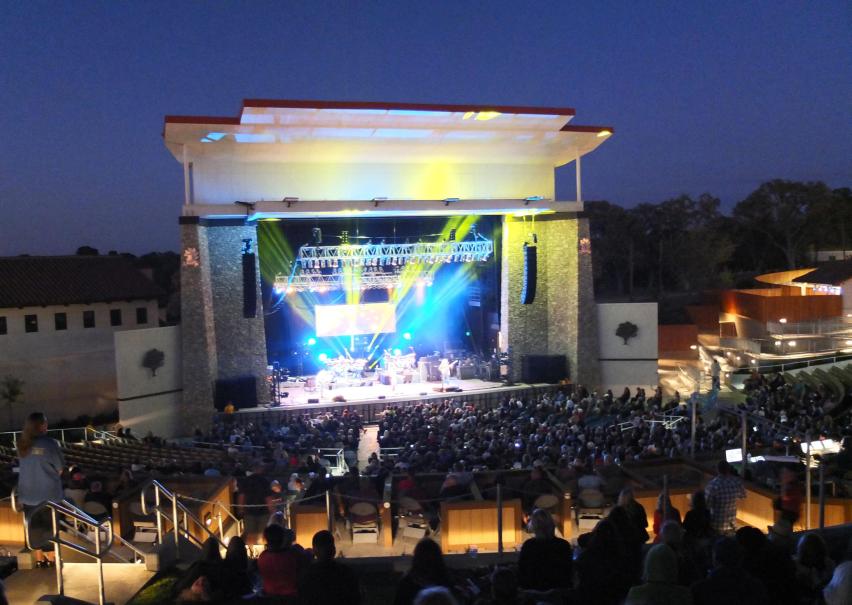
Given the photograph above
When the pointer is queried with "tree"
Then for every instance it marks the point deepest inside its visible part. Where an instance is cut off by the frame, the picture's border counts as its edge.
(627, 330)
(11, 389)
(87, 251)
(787, 214)
(153, 360)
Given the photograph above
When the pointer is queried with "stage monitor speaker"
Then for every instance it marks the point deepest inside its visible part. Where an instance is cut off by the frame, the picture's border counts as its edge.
(530, 275)
(543, 368)
(249, 286)
(240, 391)
(467, 372)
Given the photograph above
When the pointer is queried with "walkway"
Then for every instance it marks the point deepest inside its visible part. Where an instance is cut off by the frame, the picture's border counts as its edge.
(369, 443)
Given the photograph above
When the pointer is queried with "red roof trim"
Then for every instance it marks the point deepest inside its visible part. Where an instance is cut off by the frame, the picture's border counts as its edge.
(300, 104)
(570, 128)
(306, 104)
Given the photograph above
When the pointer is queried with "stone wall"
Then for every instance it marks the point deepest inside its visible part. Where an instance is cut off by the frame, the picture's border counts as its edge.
(562, 318)
(217, 341)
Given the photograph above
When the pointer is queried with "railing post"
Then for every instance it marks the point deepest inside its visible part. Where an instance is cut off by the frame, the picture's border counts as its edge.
(221, 530)
(694, 423)
(159, 515)
(808, 483)
(745, 444)
(500, 516)
(57, 553)
(176, 524)
(101, 593)
(329, 511)
(821, 495)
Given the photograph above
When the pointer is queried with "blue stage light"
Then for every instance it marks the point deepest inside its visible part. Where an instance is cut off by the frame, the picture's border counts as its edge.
(467, 333)
(312, 341)
(407, 335)
(397, 352)
(323, 357)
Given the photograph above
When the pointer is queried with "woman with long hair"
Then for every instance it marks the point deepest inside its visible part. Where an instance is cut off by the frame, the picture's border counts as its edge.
(236, 581)
(40, 480)
(427, 569)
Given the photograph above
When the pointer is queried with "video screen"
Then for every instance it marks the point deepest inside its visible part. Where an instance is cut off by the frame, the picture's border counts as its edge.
(351, 320)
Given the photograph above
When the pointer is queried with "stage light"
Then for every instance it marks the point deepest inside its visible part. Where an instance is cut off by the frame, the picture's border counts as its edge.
(604, 133)
(322, 357)
(783, 320)
(467, 333)
(312, 341)
(791, 344)
(397, 352)
(407, 336)
(777, 343)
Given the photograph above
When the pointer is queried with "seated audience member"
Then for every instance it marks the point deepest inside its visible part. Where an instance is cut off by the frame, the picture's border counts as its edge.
(203, 578)
(281, 563)
(428, 569)
(535, 487)
(236, 581)
(661, 580)
(504, 589)
(839, 590)
(605, 552)
(437, 595)
(325, 581)
(96, 494)
(769, 564)
(728, 583)
(664, 511)
(635, 511)
(689, 569)
(814, 568)
(545, 561)
(633, 541)
(789, 503)
(76, 490)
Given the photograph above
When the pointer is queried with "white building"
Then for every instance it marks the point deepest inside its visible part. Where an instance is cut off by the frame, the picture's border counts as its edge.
(57, 320)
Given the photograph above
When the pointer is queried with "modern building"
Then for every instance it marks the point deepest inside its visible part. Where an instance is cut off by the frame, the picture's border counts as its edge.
(289, 160)
(58, 316)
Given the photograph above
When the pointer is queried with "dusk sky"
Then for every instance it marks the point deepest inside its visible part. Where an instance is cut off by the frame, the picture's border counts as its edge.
(704, 97)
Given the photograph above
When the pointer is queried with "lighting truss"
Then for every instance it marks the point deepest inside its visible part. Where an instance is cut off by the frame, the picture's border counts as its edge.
(375, 255)
(311, 281)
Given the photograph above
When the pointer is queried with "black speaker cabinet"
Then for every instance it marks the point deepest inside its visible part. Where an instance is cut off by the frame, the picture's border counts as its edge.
(240, 391)
(530, 275)
(543, 368)
(249, 286)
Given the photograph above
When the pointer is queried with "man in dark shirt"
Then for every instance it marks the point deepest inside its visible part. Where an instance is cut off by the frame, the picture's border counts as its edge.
(545, 560)
(325, 581)
(728, 582)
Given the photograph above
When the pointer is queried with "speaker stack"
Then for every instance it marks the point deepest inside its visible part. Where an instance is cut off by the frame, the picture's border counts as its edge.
(249, 286)
(530, 275)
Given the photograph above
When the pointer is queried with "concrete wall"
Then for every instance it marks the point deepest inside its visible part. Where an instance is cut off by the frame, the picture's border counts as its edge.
(633, 364)
(562, 318)
(149, 401)
(221, 181)
(66, 373)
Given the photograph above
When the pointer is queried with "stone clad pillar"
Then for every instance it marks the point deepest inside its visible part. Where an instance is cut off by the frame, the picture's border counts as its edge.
(562, 319)
(218, 343)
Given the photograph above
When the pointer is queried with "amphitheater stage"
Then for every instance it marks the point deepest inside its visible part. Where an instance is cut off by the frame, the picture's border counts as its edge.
(371, 399)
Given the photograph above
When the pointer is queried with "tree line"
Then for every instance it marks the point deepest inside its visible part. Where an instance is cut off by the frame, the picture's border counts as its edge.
(688, 244)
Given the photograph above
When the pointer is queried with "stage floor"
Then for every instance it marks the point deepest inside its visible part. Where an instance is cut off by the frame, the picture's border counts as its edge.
(299, 397)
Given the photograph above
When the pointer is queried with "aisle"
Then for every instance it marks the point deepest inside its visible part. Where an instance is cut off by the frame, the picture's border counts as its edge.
(369, 443)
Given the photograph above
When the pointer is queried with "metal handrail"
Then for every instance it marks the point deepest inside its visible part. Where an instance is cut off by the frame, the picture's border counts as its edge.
(99, 434)
(175, 519)
(68, 510)
(239, 522)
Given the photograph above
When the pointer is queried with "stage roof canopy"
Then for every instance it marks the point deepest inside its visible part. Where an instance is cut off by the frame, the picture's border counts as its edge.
(368, 132)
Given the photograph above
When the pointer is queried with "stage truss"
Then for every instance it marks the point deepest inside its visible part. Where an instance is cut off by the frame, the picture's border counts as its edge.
(375, 266)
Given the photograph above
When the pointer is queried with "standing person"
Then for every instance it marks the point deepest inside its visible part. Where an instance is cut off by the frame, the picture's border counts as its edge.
(635, 511)
(325, 581)
(41, 464)
(545, 560)
(789, 502)
(715, 373)
(722, 494)
(427, 569)
(665, 511)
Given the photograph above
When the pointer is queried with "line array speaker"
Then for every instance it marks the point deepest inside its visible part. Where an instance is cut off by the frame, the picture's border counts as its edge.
(530, 275)
(249, 286)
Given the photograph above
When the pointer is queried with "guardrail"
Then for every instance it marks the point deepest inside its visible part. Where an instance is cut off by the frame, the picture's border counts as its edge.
(176, 506)
(60, 513)
(82, 433)
(334, 455)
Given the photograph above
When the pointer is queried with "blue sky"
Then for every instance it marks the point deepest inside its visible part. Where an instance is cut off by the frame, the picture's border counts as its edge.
(714, 97)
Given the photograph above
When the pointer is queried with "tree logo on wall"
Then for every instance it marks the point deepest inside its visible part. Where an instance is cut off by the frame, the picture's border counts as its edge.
(153, 360)
(585, 245)
(190, 257)
(627, 330)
